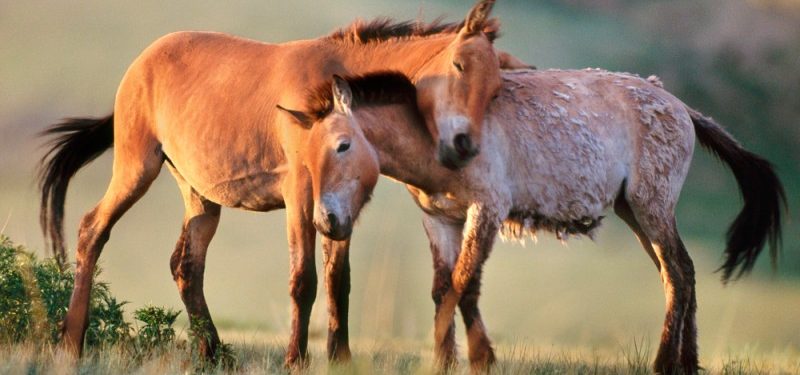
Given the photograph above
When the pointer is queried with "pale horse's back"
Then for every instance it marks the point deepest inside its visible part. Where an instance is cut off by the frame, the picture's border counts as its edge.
(575, 138)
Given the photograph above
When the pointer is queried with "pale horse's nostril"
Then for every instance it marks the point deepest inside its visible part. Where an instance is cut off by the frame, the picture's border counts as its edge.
(332, 221)
(462, 143)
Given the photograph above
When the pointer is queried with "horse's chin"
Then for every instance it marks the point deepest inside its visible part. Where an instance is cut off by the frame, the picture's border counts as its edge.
(339, 233)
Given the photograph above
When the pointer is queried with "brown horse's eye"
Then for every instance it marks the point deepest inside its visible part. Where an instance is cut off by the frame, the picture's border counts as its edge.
(458, 66)
(344, 146)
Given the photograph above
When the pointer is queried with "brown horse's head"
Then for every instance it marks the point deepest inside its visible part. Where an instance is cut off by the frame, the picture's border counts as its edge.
(455, 87)
(343, 164)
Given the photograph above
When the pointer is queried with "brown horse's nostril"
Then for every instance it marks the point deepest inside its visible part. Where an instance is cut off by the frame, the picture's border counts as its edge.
(333, 222)
(463, 144)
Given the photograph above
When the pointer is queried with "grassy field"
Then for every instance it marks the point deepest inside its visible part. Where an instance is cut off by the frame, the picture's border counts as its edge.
(581, 308)
(257, 353)
(567, 322)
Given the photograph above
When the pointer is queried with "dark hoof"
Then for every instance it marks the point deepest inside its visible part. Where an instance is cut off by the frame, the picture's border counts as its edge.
(481, 363)
(691, 368)
(690, 364)
(340, 356)
(294, 361)
(667, 369)
(446, 364)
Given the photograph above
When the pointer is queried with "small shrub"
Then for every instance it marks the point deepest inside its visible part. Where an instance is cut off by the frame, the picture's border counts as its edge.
(55, 289)
(224, 357)
(107, 325)
(34, 297)
(15, 305)
(157, 332)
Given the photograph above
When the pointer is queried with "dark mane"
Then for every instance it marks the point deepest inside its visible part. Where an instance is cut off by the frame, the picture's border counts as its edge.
(385, 28)
(371, 89)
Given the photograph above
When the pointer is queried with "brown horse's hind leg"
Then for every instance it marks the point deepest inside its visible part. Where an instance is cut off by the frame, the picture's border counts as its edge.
(445, 241)
(677, 352)
(337, 281)
(133, 174)
(188, 263)
(303, 275)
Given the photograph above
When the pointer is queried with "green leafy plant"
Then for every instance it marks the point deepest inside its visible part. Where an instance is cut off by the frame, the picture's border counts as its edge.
(107, 323)
(224, 357)
(34, 296)
(15, 305)
(55, 289)
(157, 332)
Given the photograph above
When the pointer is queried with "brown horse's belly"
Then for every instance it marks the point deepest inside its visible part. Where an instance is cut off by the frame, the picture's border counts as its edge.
(256, 192)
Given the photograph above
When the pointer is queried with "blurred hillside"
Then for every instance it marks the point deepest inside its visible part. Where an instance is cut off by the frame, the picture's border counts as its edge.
(735, 60)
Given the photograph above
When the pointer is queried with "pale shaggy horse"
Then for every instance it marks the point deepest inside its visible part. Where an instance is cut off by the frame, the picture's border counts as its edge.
(205, 103)
(559, 148)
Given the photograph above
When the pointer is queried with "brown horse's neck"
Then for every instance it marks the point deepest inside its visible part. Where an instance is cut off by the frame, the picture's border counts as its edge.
(406, 55)
(404, 147)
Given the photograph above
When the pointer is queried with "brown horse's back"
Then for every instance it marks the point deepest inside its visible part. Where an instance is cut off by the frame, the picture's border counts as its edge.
(206, 101)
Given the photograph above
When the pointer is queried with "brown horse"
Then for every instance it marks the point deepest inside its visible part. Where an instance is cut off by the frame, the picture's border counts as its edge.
(559, 148)
(206, 104)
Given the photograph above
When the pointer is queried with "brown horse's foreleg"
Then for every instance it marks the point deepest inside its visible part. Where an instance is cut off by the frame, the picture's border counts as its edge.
(188, 263)
(337, 282)
(128, 183)
(303, 275)
(445, 242)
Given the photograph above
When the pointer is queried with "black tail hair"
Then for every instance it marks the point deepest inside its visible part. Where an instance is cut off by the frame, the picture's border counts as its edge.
(762, 192)
(75, 143)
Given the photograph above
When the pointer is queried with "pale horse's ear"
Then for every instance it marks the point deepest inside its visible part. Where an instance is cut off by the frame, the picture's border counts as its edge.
(477, 17)
(510, 62)
(342, 95)
(299, 117)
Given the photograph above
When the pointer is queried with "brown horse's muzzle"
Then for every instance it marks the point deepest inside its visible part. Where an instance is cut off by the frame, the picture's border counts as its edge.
(335, 228)
(333, 224)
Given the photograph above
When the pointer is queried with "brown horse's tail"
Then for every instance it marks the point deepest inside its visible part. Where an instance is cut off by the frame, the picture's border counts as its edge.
(762, 192)
(75, 143)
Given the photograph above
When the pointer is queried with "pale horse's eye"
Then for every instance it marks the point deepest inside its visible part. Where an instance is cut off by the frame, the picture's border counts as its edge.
(344, 146)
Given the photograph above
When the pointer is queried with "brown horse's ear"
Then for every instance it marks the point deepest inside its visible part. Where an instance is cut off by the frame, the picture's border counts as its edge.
(477, 17)
(342, 95)
(301, 118)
